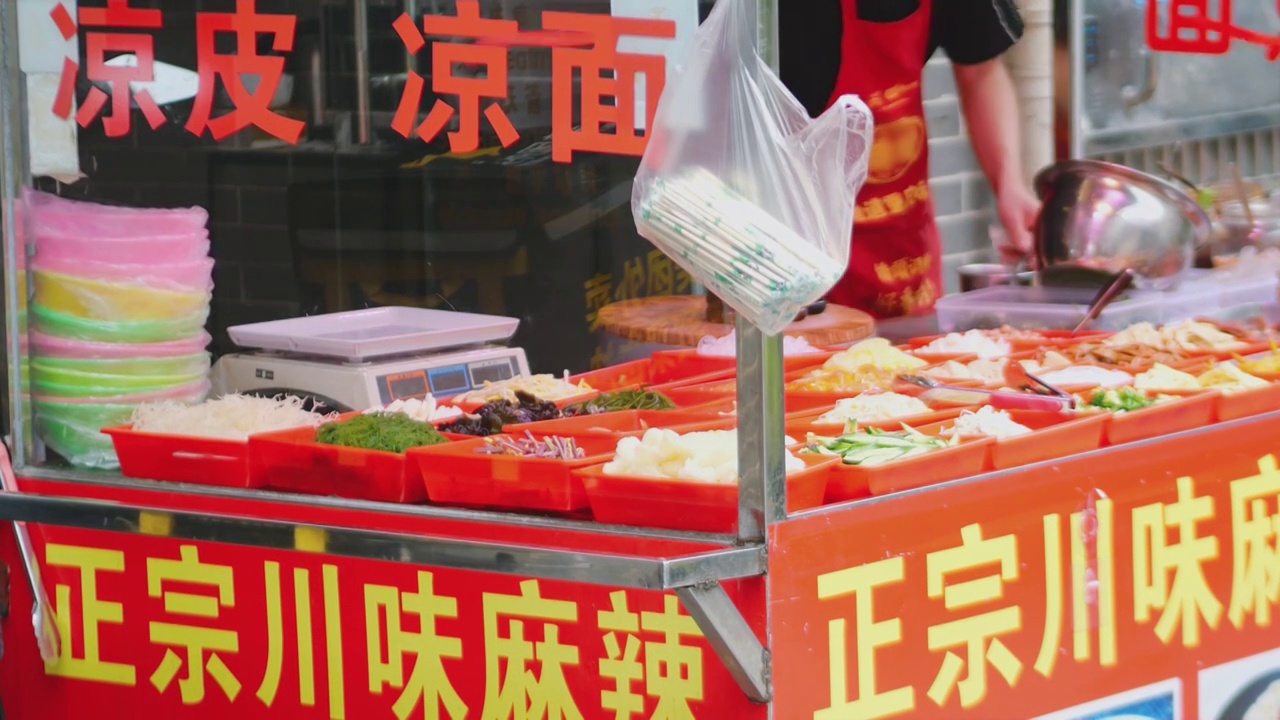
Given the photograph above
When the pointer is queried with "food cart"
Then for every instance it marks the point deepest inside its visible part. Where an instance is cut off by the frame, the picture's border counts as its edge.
(1130, 570)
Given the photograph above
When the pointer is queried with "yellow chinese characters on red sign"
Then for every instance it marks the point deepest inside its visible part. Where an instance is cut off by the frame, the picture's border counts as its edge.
(1118, 587)
(225, 632)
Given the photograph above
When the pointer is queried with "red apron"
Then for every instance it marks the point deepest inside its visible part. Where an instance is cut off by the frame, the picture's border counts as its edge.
(895, 267)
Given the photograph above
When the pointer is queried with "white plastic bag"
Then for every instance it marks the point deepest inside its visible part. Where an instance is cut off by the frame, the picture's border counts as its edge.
(740, 187)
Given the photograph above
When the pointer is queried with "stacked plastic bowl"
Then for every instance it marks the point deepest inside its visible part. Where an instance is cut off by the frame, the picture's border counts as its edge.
(120, 298)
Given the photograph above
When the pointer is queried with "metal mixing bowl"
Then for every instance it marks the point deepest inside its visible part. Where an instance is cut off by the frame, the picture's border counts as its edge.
(1104, 217)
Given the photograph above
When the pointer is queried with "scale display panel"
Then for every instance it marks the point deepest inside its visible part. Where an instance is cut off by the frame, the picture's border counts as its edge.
(444, 382)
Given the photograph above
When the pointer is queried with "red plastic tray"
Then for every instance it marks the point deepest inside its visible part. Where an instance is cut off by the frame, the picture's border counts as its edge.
(678, 364)
(178, 458)
(1055, 435)
(623, 424)
(455, 474)
(293, 461)
(1194, 410)
(687, 505)
(646, 373)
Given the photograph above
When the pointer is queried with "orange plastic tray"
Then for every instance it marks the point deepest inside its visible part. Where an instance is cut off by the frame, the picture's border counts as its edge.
(687, 505)
(456, 474)
(293, 461)
(178, 458)
(646, 373)
(1194, 410)
(1055, 435)
(851, 482)
(1233, 406)
(624, 423)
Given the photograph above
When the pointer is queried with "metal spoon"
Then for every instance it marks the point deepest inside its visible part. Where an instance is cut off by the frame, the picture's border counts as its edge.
(1113, 290)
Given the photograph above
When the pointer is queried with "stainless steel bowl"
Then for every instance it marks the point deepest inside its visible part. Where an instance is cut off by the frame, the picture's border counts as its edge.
(1104, 217)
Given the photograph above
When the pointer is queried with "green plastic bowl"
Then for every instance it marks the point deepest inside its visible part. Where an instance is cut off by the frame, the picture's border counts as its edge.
(185, 365)
(63, 390)
(51, 322)
(94, 383)
(75, 431)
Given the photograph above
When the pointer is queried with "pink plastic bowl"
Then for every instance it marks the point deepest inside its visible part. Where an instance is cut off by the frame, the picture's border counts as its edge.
(57, 347)
(87, 219)
(158, 249)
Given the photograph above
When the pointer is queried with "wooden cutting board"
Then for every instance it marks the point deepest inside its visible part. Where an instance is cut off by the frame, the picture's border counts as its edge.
(681, 321)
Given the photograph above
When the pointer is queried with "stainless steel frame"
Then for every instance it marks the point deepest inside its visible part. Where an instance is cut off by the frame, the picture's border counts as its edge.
(696, 578)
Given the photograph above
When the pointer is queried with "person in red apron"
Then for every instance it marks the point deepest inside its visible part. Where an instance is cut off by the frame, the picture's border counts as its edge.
(876, 49)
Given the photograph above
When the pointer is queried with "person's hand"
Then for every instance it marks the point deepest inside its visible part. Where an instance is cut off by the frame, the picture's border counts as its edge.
(1018, 209)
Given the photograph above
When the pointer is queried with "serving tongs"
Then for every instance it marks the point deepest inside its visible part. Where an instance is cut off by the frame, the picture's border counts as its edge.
(937, 393)
(1016, 376)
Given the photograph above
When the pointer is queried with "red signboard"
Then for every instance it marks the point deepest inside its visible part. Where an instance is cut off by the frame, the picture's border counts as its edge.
(1203, 27)
(199, 630)
(1113, 584)
(593, 85)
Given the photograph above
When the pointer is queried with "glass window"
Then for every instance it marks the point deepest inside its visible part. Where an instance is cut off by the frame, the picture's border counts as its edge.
(461, 155)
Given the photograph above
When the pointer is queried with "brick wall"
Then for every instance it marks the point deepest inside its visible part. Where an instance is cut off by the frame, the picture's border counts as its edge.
(962, 198)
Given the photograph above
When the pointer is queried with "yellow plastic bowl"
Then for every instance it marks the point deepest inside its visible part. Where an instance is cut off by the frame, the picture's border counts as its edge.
(98, 300)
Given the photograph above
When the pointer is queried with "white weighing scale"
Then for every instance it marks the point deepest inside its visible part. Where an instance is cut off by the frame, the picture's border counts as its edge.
(368, 358)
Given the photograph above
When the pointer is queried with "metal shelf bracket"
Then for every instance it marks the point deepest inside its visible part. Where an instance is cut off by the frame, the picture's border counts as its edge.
(728, 633)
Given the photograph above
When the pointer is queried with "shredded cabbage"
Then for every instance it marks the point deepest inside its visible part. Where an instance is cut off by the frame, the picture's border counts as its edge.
(230, 417)
(986, 422)
(707, 457)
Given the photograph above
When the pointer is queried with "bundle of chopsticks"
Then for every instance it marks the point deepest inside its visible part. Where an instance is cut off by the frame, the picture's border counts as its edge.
(746, 256)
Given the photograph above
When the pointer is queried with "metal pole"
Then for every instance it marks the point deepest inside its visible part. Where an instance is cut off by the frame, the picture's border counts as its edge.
(13, 177)
(364, 131)
(762, 489)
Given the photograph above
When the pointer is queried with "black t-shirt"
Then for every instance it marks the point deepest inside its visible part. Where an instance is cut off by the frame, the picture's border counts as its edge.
(809, 34)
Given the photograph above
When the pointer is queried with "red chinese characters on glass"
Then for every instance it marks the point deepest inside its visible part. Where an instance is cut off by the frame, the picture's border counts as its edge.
(608, 80)
(485, 66)
(136, 64)
(1203, 27)
(251, 80)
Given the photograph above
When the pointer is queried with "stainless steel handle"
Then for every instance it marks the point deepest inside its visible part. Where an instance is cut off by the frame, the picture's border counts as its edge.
(1134, 96)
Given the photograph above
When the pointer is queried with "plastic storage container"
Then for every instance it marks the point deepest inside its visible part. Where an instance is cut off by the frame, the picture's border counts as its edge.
(1201, 294)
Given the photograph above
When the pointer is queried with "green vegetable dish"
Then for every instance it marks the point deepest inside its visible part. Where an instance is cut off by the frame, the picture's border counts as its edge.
(387, 432)
(1123, 400)
(871, 447)
(621, 400)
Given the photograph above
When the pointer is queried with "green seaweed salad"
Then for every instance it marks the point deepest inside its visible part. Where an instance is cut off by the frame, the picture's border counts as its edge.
(619, 401)
(387, 432)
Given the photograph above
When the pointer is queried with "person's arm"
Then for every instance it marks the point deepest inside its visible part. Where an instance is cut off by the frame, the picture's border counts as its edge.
(974, 34)
(990, 106)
